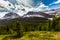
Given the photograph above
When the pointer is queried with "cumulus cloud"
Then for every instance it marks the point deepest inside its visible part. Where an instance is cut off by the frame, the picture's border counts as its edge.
(27, 9)
(25, 2)
(57, 2)
(42, 7)
(6, 4)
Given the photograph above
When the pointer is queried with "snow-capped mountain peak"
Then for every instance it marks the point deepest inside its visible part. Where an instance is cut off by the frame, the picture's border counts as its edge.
(11, 15)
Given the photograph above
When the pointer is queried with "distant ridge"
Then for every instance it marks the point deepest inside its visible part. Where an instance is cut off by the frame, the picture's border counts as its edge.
(11, 15)
(38, 14)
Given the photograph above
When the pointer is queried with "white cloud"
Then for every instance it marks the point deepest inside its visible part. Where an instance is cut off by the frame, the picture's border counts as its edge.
(42, 7)
(25, 2)
(28, 6)
(6, 4)
(58, 1)
(27, 9)
(39, 8)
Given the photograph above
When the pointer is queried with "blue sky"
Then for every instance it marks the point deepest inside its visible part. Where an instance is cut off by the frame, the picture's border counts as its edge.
(47, 3)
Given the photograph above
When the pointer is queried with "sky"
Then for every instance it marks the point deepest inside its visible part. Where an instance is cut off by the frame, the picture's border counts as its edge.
(28, 5)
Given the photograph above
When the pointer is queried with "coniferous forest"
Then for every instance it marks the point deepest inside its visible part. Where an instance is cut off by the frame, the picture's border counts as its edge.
(17, 28)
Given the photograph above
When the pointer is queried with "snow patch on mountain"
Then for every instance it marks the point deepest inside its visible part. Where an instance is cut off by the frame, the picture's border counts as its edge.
(2, 14)
(11, 15)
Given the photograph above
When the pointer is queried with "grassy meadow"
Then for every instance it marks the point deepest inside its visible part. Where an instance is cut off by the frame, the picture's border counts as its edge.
(35, 35)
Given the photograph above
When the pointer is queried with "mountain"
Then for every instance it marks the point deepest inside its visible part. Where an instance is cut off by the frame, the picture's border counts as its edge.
(11, 15)
(38, 14)
(55, 12)
(42, 14)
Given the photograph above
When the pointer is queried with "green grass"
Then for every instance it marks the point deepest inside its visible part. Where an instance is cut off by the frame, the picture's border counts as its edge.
(2, 36)
(38, 35)
(41, 36)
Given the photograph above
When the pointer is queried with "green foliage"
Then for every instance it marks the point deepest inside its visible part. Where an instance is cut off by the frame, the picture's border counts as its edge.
(20, 26)
(54, 25)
